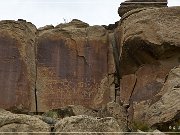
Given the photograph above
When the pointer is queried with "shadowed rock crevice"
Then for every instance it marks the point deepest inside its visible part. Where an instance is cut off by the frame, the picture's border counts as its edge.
(136, 52)
(170, 126)
(116, 56)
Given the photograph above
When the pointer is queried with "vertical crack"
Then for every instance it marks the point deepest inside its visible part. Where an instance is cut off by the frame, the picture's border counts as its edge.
(129, 104)
(133, 90)
(117, 77)
(35, 89)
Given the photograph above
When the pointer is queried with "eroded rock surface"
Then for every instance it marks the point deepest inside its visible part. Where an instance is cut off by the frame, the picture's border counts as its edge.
(17, 65)
(71, 110)
(149, 36)
(10, 122)
(150, 46)
(72, 66)
(167, 108)
(83, 123)
(72, 71)
(129, 5)
(116, 111)
(112, 109)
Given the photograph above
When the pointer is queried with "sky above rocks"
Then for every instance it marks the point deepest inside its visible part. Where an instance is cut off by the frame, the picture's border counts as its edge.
(45, 12)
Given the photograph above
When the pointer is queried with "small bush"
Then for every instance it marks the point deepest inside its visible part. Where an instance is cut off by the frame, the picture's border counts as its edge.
(141, 126)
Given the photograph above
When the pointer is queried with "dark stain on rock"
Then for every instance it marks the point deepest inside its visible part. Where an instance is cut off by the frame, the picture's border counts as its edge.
(14, 86)
(147, 92)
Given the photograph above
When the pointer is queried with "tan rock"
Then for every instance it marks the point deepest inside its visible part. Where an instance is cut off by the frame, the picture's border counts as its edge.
(74, 23)
(17, 65)
(71, 110)
(10, 122)
(72, 67)
(83, 123)
(128, 83)
(116, 111)
(149, 41)
(167, 107)
(129, 5)
(148, 37)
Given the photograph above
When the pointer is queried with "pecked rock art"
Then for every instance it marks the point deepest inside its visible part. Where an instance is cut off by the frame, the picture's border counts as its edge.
(72, 66)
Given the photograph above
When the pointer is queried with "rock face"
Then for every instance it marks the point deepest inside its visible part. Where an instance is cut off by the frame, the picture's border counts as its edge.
(150, 46)
(17, 65)
(49, 68)
(83, 123)
(135, 4)
(72, 72)
(167, 107)
(10, 122)
(72, 66)
(116, 111)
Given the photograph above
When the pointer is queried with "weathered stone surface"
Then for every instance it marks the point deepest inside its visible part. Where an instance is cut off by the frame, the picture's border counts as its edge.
(128, 83)
(147, 91)
(10, 122)
(17, 65)
(72, 67)
(116, 111)
(162, 110)
(112, 109)
(135, 4)
(83, 123)
(147, 36)
(167, 107)
(71, 110)
(74, 23)
(111, 68)
(47, 27)
(150, 46)
(150, 79)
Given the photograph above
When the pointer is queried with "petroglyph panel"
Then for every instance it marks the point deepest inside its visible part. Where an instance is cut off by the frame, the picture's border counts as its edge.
(70, 72)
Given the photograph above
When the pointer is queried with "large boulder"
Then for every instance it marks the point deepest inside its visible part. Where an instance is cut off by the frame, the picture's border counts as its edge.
(72, 66)
(10, 122)
(87, 124)
(150, 47)
(149, 36)
(129, 5)
(17, 65)
(112, 109)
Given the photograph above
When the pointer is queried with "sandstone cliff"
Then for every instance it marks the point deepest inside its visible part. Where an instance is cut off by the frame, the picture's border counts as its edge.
(73, 66)
(81, 75)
